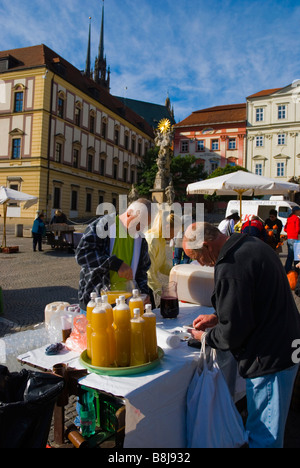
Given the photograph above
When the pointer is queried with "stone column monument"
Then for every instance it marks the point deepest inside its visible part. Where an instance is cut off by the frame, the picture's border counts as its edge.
(163, 190)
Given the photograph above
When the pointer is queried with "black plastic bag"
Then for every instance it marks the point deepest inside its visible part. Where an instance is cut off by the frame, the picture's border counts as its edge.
(27, 401)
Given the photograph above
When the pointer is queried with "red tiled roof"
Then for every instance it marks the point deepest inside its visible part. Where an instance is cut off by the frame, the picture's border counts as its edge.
(43, 56)
(265, 92)
(214, 115)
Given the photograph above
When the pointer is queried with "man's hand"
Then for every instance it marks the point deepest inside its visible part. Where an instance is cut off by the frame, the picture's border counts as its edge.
(202, 322)
(125, 271)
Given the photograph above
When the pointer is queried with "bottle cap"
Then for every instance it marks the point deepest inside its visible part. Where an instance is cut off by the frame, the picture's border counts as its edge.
(93, 295)
(104, 298)
(135, 292)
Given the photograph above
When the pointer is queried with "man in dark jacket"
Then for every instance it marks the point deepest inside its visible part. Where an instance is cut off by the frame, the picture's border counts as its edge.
(255, 318)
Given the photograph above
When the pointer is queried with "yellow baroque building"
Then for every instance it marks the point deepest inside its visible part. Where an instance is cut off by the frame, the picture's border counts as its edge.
(63, 137)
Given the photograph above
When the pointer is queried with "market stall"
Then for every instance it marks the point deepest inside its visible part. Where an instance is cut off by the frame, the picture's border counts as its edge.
(60, 235)
(154, 400)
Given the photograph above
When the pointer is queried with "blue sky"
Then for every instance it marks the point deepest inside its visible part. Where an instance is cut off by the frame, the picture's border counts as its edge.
(202, 53)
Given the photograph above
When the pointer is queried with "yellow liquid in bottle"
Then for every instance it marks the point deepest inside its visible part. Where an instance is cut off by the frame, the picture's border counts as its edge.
(150, 336)
(89, 308)
(110, 330)
(138, 348)
(99, 339)
(136, 303)
(113, 295)
(122, 333)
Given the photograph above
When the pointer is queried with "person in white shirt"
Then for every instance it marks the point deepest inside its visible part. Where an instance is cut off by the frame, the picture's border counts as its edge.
(227, 225)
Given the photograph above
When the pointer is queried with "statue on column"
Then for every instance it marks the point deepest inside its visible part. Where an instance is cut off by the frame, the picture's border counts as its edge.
(164, 140)
(133, 194)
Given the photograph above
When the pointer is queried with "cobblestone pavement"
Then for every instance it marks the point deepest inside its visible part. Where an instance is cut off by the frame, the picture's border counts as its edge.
(31, 280)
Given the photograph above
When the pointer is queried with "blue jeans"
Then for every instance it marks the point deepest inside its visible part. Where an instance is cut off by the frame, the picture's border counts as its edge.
(268, 402)
(290, 255)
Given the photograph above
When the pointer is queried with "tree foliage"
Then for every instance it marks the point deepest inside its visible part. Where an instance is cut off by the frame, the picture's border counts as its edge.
(184, 171)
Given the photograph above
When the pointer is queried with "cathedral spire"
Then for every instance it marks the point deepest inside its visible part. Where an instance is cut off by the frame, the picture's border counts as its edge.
(101, 42)
(88, 55)
(100, 62)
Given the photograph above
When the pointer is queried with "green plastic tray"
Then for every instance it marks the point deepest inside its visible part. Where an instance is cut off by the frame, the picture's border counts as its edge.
(120, 371)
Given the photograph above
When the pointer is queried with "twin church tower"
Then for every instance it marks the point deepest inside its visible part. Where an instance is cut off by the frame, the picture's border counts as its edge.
(101, 74)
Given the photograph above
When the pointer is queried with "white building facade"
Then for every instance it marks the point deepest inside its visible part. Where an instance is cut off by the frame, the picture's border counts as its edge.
(273, 133)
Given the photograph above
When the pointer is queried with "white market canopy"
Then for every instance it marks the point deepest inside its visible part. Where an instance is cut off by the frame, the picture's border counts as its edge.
(8, 195)
(241, 182)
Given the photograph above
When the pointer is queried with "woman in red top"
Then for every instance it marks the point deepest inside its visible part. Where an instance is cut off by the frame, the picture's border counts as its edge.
(292, 229)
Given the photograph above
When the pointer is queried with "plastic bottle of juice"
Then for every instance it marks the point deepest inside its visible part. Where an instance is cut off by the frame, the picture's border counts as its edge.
(122, 333)
(99, 339)
(136, 302)
(114, 308)
(110, 330)
(150, 333)
(89, 330)
(138, 345)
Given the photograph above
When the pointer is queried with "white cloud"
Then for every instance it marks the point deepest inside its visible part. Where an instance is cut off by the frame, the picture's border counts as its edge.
(202, 53)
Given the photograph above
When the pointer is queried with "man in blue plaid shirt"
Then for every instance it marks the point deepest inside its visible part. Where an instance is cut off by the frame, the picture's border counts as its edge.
(114, 247)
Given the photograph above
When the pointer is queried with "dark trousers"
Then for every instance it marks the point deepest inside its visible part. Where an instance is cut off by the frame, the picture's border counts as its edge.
(37, 241)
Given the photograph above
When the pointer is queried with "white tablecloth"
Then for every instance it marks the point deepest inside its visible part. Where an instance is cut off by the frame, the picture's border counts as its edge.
(156, 400)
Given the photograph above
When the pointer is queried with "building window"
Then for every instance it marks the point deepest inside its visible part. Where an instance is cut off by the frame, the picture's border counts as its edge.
(58, 152)
(116, 138)
(18, 105)
(16, 148)
(281, 112)
(74, 200)
(102, 167)
(214, 166)
(200, 145)
(125, 174)
(139, 149)
(115, 171)
(126, 142)
(259, 169)
(90, 163)
(282, 139)
(56, 198)
(280, 169)
(75, 157)
(132, 177)
(88, 202)
(133, 145)
(77, 116)
(60, 107)
(259, 113)
(103, 130)
(232, 143)
(215, 145)
(184, 146)
(259, 141)
(92, 123)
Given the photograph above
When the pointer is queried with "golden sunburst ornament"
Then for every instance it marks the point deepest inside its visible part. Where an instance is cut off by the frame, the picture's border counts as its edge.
(164, 125)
